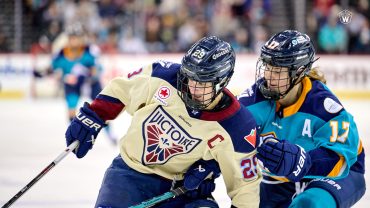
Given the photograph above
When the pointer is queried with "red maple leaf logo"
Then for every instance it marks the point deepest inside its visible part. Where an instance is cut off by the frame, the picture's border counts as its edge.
(251, 138)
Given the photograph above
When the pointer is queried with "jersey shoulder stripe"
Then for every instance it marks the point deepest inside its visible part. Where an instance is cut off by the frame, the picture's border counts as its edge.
(359, 165)
(107, 108)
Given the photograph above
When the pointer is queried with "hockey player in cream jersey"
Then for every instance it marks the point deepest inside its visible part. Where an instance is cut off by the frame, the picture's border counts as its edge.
(184, 122)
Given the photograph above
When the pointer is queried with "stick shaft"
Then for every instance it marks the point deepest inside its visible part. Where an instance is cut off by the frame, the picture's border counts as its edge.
(155, 200)
(60, 157)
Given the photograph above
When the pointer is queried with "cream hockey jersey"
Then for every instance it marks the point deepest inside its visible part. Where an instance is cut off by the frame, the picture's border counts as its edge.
(165, 137)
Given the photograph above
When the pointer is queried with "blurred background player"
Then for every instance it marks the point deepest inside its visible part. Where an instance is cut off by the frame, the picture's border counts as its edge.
(310, 140)
(77, 66)
(184, 119)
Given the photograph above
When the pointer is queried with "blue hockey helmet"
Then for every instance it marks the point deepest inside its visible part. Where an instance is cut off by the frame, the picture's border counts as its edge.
(288, 50)
(210, 60)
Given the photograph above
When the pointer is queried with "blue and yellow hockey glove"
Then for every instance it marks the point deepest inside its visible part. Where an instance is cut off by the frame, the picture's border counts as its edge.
(283, 158)
(85, 127)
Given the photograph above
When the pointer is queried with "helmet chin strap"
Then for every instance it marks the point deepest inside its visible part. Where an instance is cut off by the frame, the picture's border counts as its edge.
(290, 98)
(213, 104)
(293, 83)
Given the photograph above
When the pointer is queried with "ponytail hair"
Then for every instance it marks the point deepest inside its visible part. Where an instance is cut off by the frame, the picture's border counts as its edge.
(316, 74)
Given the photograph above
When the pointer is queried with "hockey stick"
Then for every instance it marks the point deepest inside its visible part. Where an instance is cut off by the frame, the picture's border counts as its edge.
(155, 200)
(69, 149)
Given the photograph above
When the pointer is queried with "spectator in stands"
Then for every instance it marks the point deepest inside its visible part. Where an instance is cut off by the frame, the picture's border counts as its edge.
(163, 25)
(333, 36)
(358, 30)
(4, 43)
(110, 46)
(129, 43)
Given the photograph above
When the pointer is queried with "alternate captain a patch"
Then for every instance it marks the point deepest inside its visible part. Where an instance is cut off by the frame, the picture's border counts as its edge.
(164, 138)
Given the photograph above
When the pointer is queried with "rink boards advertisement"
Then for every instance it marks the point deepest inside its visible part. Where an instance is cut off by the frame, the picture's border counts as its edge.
(347, 76)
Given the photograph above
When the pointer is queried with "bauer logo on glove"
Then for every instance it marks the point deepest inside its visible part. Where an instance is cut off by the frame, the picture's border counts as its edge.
(85, 128)
(88, 122)
(283, 158)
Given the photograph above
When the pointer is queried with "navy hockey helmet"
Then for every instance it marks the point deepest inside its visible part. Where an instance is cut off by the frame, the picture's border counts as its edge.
(210, 60)
(289, 51)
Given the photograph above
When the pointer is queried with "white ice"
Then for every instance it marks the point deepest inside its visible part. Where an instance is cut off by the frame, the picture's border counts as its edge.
(32, 136)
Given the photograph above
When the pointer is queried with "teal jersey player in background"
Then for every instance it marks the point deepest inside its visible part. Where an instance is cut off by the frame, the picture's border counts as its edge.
(311, 154)
(77, 66)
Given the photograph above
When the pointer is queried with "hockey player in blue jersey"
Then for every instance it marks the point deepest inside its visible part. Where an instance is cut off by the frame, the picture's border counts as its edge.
(78, 68)
(312, 155)
(185, 126)
(77, 64)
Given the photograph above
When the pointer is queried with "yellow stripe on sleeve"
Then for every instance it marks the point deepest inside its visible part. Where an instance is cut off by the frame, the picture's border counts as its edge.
(338, 168)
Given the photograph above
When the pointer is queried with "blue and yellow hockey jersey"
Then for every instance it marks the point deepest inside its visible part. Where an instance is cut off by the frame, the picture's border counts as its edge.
(85, 65)
(317, 122)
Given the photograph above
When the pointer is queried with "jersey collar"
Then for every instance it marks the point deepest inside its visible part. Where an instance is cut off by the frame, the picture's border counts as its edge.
(225, 113)
(69, 54)
(292, 109)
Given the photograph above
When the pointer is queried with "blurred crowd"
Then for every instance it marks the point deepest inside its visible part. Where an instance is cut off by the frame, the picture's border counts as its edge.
(166, 26)
(331, 35)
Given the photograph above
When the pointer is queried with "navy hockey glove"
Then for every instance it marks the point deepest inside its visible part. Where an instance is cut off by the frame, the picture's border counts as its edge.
(85, 127)
(283, 158)
(195, 178)
(204, 189)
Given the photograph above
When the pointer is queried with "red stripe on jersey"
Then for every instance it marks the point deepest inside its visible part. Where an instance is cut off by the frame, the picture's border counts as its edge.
(225, 113)
(106, 110)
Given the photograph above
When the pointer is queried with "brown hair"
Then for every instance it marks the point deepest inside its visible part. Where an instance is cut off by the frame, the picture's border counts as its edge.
(316, 74)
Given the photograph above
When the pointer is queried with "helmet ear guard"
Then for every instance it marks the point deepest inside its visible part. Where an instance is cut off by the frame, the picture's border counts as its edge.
(208, 60)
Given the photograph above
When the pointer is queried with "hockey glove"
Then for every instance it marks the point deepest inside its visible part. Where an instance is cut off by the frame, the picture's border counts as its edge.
(195, 178)
(85, 127)
(283, 158)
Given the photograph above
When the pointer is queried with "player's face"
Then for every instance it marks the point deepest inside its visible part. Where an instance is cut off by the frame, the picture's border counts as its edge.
(277, 78)
(76, 41)
(200, 91)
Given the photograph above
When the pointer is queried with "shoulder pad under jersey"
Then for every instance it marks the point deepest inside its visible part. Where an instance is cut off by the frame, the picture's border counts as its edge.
(167, 71)
(242, 130)
(321, 102)
(251, 96)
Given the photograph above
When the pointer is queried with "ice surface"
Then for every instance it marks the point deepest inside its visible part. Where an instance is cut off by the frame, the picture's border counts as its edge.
(32, 136)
